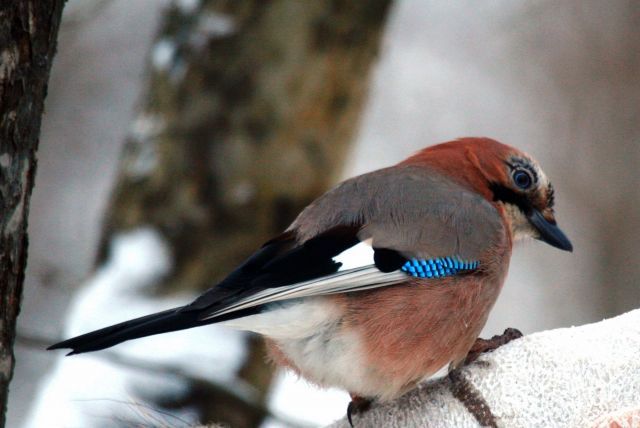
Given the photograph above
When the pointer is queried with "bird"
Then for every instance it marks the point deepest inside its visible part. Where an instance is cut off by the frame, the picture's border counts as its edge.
(384, 280)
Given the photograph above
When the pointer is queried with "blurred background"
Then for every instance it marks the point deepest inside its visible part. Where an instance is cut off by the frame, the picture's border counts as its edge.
(180, 135)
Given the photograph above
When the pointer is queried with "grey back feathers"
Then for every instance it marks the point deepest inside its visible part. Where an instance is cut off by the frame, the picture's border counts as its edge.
(410, 209)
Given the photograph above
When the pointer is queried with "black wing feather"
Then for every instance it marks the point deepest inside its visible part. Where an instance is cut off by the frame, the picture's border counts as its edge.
(279, 262)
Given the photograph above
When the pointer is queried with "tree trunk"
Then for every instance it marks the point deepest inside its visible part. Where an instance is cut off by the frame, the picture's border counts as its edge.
(249, 111)
(28, 31)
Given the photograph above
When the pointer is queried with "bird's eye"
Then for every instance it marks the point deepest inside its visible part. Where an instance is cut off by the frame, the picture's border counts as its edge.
(522, 179)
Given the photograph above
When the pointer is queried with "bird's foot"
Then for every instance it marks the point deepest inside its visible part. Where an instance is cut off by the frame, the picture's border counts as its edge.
(357, 405)
(482, 346)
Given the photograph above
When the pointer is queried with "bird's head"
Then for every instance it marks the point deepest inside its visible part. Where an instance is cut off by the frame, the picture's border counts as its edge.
(506, 177)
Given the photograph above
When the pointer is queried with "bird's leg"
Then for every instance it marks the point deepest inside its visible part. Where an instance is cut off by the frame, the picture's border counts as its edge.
(482, 346)
(357, 405)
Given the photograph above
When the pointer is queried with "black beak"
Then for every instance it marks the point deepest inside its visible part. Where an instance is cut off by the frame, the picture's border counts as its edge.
(549, 232)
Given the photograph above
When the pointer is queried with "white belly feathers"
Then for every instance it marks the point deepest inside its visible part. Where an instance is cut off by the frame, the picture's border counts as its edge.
(308, 332)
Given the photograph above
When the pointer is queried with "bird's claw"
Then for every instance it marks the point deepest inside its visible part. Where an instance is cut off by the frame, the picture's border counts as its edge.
(482, 346)
(357, 405)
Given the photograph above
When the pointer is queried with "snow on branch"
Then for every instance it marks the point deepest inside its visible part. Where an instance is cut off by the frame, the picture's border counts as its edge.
(587, 377)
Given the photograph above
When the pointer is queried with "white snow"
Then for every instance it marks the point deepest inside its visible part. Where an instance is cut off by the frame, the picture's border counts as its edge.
(144, 128)
(211, 26)
(216, 25)
(163, 54)
(187, 7)
(301, 401)
(83, 390)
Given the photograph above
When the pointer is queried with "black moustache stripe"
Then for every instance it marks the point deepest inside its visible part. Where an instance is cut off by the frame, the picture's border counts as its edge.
(506, 195)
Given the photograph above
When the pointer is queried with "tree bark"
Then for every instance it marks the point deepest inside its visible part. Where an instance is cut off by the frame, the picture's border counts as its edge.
(28, 32)
(249, 111)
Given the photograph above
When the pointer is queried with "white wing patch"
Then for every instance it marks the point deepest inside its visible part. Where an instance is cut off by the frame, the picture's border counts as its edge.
(357, 256)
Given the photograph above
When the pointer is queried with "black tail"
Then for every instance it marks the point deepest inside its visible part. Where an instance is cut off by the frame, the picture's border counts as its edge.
(162, 322)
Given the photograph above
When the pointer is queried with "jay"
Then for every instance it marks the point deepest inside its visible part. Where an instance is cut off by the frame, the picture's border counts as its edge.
(385, 279)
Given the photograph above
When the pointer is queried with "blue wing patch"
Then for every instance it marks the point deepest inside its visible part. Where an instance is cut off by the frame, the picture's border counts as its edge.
(438, 267)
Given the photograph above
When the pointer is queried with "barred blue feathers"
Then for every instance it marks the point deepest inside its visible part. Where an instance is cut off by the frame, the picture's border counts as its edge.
(438, 267)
